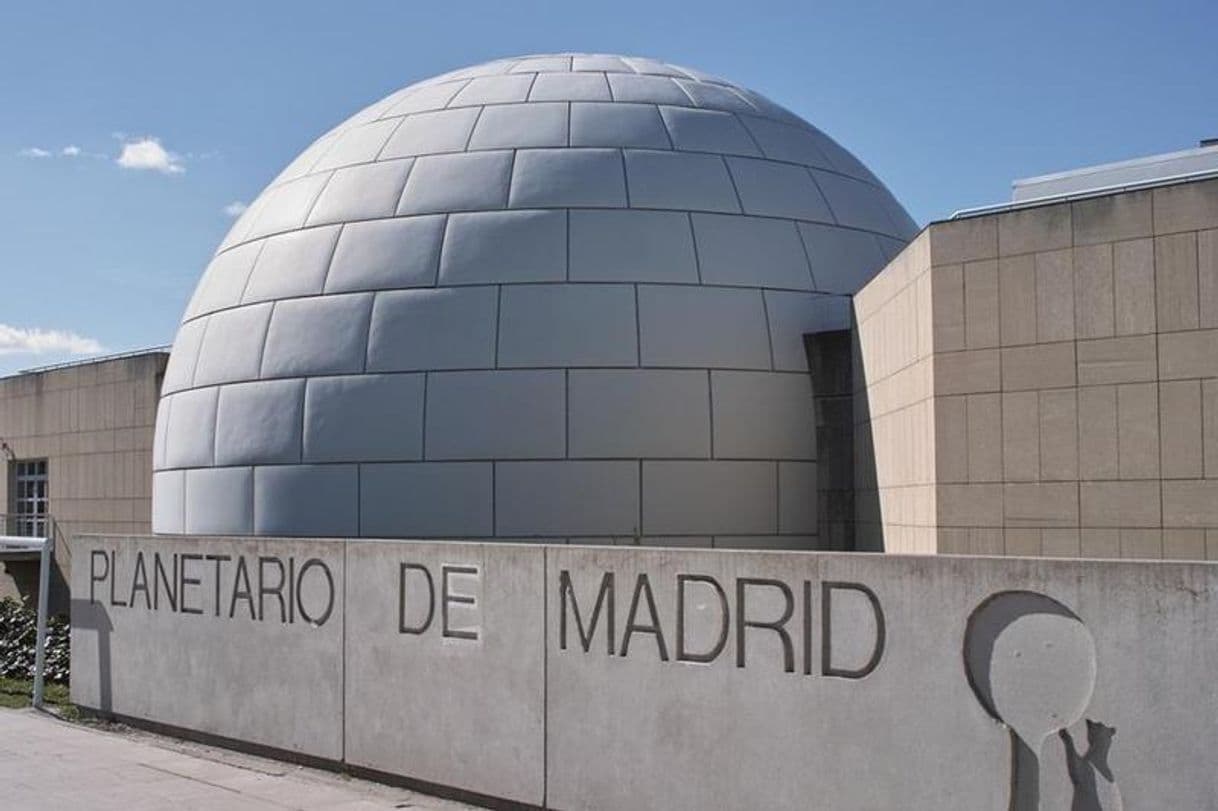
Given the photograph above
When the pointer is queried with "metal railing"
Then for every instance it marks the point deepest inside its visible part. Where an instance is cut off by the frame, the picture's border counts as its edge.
(68, 364)
(1082, 194)
(22, 544)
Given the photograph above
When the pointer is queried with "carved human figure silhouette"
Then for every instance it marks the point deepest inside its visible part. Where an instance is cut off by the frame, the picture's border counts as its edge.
(1031, 662)
(1095, 787)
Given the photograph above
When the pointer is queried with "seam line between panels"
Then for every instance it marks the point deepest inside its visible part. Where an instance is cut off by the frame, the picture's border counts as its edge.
(760, 150)
(513, 368)
(803, 244)
(557, 539)
(198, 351)
(823, 196)
(423, 427)
(777, 495)
(401, 195)
(625, 176)
(334, 137)
(266, 334)
(325, 279)
(675, 78)
(498, 323)
(304, 383)
(396, 215)
(693, 238)
(738, 92)
(684, 91)
(638, 330)
(464, 460)
(252, 497)
(827, 169)
(377, 157)
(469, 139)
(672, 144)
(639, 531)
(511, 177)
(244, 287)
(435, 279)
(461, 84)
(530, 283)
(769, 332)
(316, 196)
(727, 167)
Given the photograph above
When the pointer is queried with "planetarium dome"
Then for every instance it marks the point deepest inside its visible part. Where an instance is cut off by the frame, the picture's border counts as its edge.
(551, 297)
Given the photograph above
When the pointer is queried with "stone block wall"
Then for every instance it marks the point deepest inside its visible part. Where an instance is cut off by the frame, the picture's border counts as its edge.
(1075, 356)
(894, 468)
(93, 423)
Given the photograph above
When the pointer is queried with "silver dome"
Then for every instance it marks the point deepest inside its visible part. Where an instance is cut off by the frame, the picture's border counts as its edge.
(553, 297)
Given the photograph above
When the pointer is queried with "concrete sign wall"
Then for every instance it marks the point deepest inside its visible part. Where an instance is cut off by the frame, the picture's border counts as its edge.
(238, 638)
(611, 678)
(445, 664)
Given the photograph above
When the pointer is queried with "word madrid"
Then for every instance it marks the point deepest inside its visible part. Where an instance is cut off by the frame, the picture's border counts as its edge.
(749, 606)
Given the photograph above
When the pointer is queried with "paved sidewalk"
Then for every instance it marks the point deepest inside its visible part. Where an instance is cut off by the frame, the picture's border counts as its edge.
(54, 765)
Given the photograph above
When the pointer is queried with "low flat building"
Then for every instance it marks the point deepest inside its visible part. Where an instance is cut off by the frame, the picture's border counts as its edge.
(77, 446)
(1042, 378)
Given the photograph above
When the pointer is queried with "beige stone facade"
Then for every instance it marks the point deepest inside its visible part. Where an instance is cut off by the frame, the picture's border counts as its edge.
(1044, 381)
(894, 469)
(93, 423)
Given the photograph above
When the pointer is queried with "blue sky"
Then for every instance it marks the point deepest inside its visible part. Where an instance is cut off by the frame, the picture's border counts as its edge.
(156, 116)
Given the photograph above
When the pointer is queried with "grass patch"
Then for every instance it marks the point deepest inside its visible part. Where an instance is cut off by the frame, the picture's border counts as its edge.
(18, 693)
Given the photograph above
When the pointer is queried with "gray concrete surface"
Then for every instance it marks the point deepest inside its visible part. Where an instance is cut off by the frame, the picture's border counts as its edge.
(226, 655)
(458, 698)
(48, 764)
(624, 678)
(628, 728)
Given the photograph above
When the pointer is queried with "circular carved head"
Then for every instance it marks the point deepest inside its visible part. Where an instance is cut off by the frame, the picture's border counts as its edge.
(1031, 661)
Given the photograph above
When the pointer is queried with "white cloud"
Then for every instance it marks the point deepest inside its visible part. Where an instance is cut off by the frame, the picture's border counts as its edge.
(16, 340)
(69, 151)
(235, 208)
(147, 153)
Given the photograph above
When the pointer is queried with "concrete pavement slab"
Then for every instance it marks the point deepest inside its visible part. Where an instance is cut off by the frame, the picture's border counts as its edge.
(46, 763)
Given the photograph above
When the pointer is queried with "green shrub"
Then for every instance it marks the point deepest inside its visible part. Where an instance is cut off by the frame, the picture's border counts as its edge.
(19, 636)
